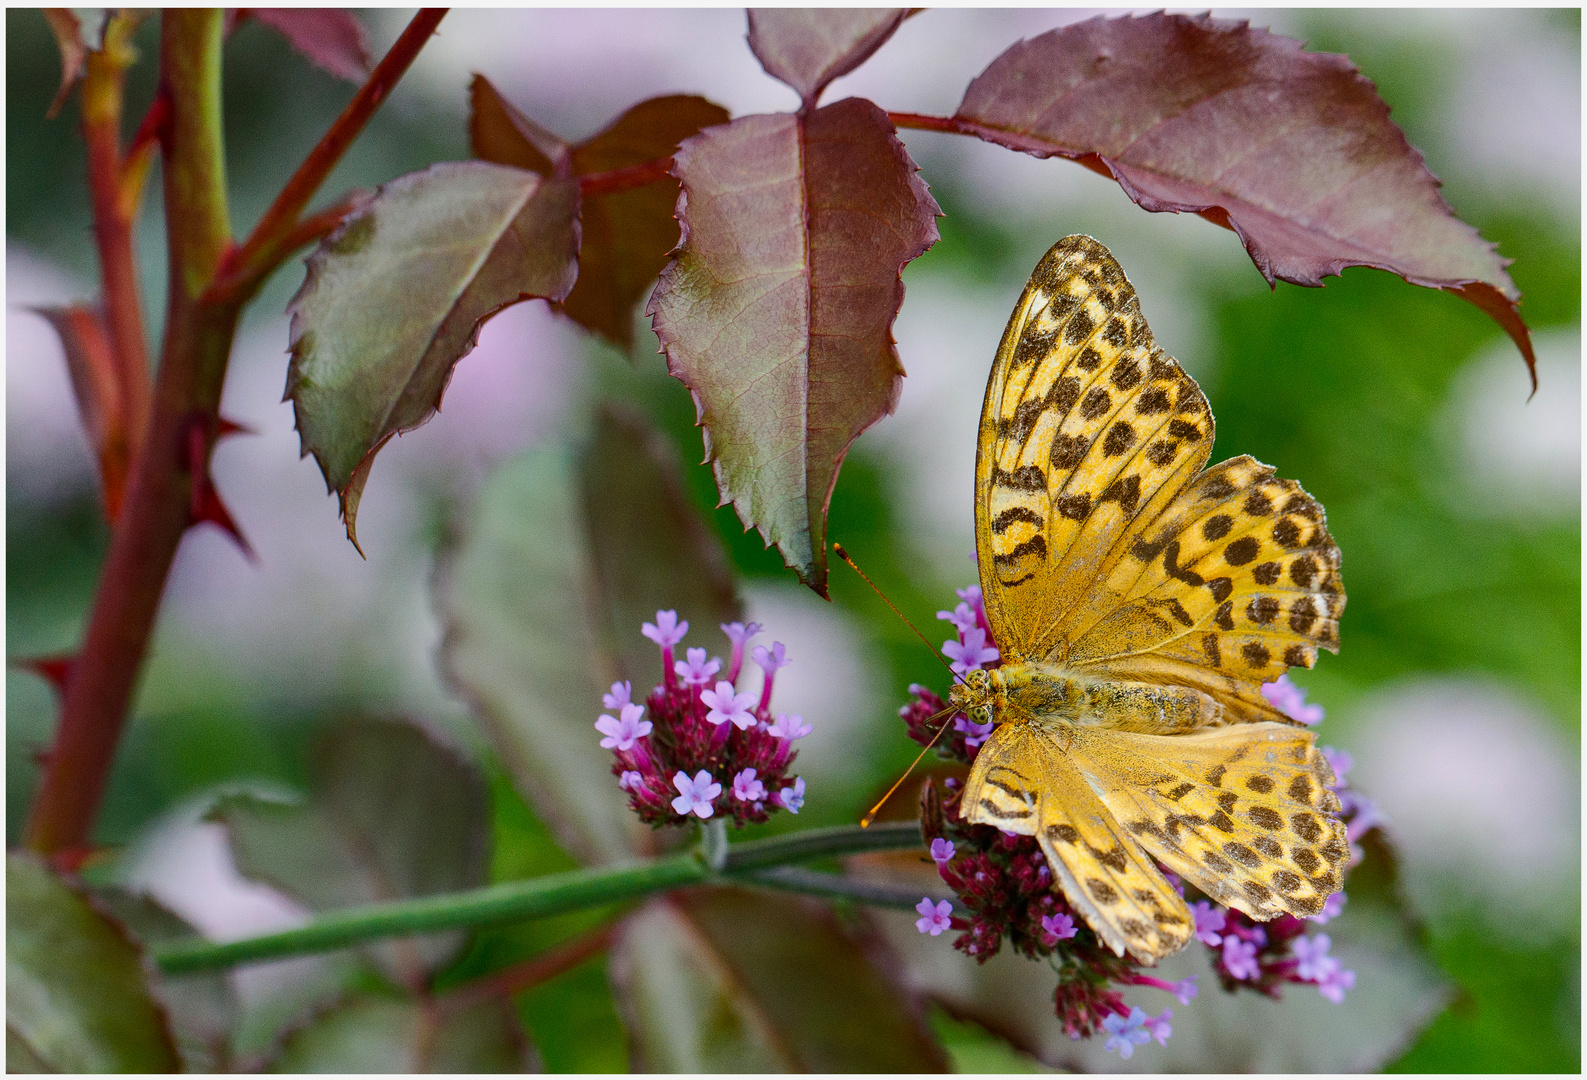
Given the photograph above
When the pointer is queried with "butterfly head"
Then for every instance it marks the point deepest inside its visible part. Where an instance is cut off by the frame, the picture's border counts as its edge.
(974, 696)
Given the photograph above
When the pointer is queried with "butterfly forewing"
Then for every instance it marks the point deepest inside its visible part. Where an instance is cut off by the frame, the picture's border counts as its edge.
(1024, 783)
(1086, 428)
(1245, 813)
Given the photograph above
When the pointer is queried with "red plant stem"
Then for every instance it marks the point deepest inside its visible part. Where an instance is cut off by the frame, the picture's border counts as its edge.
(101, 107)
(609, 183)
(265, 247)
(197, 345)
(531, 972)
(237, 286)
(156, 511)
(930, 123)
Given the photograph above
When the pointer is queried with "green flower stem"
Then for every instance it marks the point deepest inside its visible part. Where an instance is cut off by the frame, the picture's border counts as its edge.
(843, 840)
(556, 893)
(510, 901)
(837, 887)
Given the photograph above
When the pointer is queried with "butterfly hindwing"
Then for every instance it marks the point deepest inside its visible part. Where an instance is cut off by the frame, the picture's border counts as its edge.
(1023, 783)
(1235, 581)
(1086, 427)
(1245, 813)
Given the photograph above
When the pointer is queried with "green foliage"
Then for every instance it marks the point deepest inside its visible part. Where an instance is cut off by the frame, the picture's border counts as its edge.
(77, 996)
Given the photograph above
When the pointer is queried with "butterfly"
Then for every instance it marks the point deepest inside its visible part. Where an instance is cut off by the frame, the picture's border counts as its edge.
(1140, 601)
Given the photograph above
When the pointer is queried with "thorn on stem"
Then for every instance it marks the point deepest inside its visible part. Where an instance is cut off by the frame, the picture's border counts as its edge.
(205, 503)
(54, 670)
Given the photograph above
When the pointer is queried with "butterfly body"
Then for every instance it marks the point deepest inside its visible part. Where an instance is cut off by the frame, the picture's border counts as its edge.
(1139, 601)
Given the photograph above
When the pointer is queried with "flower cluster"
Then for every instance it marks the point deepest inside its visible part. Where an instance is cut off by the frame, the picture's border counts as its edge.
(705, 747)
(1005, 888)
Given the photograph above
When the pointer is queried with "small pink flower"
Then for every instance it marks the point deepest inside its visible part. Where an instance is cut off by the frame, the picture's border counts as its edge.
(1333, 986)
(790, 727)
(941, 851)
(1331, 908)
(770, 660)
(1239, 957)
(696, 670)
(746, 788)
(1290, 700)
(738, 634)
(622, 734)
(728, 707)
(1125, 1033)
(792, 798)
(1315, 963)
(1185, 989)
(962, 618)
(1056, 928)
(630, 780)
(622, 693)
(970, 653)
(666, 631)
(1159, 1026)
(1209, 921)
(694, 796)
(974, 734)
(934, 917)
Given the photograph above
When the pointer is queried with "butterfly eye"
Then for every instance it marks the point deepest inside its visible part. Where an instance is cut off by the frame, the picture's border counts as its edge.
(982, 714)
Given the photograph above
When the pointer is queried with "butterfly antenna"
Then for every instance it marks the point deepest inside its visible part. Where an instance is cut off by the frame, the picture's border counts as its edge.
(870, 815)
(844, 555)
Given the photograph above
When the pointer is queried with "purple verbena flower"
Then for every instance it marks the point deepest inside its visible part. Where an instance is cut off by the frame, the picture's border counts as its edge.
(971, 594)
(941, 851)
(934, 917)
(770, 660)
(1125, 1033)
(694, 796)
(621, 734)
(790, 726)
(962, 618)
(666, 631)
(1159, 1027)
(746, 788)
(1056, 928)
(1290, 700)
(1209, 921)
(970, 653)
(1341, 760)
(1334, 985)
(1239, 959)
(974, 734)
(1314, 962)
(738, 634)
(696, 670)
(1185, 989)
(1331, 908)
(727, 707)
(630, 780)
(622, 693)
(792, 798)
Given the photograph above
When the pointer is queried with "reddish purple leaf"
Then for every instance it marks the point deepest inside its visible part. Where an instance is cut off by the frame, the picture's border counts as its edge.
(777, 309)
(330, 37)
(628, 234)
(91, 363)
(500, 133)
(1292, 150)
(809, 47)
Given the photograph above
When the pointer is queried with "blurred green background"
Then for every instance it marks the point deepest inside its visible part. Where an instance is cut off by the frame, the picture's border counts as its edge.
(1454, 501)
